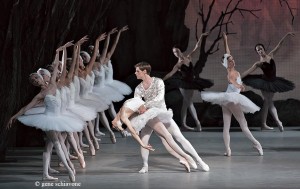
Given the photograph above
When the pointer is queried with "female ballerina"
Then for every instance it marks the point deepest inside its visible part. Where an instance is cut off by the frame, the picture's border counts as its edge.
(232, 102)
(51, 121)
(268, 83)
(139, 121)
(190, 82)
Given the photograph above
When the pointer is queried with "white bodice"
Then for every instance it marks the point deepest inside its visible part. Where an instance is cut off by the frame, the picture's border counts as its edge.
(84, 86)
(108, 72)
(53, 104)
(231, 88)
(99, 77)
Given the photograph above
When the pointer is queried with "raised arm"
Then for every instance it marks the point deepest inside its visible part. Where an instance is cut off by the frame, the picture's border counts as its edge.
(64, 61)
(90, 65)
(113, 48)
(252, 69)
(73, 64)
(172, 72)
(55, 66)
(198, 44)
(106, 44)
(226, 47)
(280, 43)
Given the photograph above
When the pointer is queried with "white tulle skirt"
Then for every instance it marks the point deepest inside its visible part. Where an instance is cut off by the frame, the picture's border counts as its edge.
(108, 92)
(224, 98)
(139, 122)
(121, 87)
(53, 122)
(93, 101)
(83, 112)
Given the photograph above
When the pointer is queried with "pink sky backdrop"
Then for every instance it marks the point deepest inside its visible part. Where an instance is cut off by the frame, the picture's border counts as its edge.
(273, 23)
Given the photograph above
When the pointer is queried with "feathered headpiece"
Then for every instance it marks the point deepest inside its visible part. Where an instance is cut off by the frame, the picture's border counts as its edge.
(225, 61)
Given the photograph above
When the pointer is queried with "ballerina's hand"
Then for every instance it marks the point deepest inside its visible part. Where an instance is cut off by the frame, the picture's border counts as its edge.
(68, 44)
(10, 122)
(149, 147)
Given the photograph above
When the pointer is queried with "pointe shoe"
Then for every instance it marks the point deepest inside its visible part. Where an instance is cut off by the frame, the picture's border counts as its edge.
(266, 127)
(198, 128)
(191, 161)
(72, 176)
(203, 166)
(96, 144)
(259, 149)
(72, 157)
(52, 171)
(188, 127)
(84, 145)
(92, 150)
(81, 161)
(60, 164)
(281, 129)
(99, 133)
(144, 170)
(228, 153)
(98, 139)
(186, 165)
(113, 138)
(49, 178)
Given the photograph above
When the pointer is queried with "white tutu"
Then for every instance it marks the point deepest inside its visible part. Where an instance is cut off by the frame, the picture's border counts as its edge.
(121, 87)
(52, 119)
(133, 103)
(90, 99)
(224, 98)
(139, 122)
(85, 113)
(103, 90)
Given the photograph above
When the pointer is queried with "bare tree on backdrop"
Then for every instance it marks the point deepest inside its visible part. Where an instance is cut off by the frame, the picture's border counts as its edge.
(222, 23)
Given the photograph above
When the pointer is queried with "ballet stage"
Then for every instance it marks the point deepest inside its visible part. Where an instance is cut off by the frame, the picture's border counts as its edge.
(116, 166)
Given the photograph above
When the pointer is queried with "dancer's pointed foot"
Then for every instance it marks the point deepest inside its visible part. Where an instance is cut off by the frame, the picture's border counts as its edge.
(71, 176)
(49, 178)
(99, 133)
(113, 138)
(186, 165)
(72, 157)
(259, 149)
(81, 160)
(60, 164)
(203, 166)
(188, 127)
(227, 153)
(98, 139)
(96, 144)
(52, 171)
(144, 170)
(92, 150)
(191, 162)
(266, 127)
(281, 129)
(198, 127)
(84, 145)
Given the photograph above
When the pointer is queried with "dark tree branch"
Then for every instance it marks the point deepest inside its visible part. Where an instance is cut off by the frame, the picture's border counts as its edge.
(289, 7)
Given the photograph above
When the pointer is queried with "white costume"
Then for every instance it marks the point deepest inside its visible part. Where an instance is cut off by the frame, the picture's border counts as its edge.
(232, 95)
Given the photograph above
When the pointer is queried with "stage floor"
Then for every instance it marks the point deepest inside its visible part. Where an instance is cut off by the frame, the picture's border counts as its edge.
(116, 165)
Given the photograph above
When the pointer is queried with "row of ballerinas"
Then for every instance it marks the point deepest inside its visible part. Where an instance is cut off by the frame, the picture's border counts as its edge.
(70, 100)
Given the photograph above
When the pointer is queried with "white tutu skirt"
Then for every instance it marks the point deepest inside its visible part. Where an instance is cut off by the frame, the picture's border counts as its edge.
(224, 98)
(83, 112)
(108, 92)
(121, 87)
(139, 122)
(53, 122)
(92, 101)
